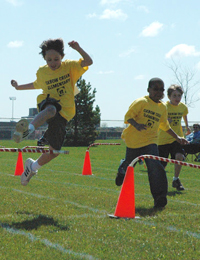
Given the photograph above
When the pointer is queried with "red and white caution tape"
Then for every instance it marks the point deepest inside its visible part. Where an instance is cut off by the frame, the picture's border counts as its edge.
(147, 156)
(102, 144)
(13, 150)
(36, 147)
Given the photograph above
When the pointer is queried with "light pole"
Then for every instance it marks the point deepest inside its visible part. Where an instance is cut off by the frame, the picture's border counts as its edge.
(13, 99)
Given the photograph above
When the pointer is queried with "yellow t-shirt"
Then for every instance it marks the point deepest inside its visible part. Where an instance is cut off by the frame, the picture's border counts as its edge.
(60, 84)
(175, 113)
(145, 111)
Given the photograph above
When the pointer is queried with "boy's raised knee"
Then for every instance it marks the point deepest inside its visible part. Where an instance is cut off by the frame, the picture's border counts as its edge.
(51, 110)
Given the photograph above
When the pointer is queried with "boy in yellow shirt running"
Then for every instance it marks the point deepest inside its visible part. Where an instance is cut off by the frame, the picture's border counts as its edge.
(145, 116)
(168, 144)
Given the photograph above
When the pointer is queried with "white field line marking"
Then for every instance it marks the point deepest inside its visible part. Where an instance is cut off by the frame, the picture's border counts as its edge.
(83, 216)
(104, 189)
(98, 188)
(69, 173)
(112, 190)
(8, 174)
(60, 248)
(170, 228)
(80, 174)
(51, 198)
(80, 186)
(96, 168)
(108, 179)
(184, 202)
(84, 206)
(8, 215)
(176, 215)
(46, 242)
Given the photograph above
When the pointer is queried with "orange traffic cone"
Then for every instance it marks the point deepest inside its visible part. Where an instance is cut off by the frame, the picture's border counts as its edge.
(19, 165)
(87, 165)
(126, 203)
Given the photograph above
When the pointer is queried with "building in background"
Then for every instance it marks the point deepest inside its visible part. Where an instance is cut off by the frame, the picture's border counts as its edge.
(7, 128)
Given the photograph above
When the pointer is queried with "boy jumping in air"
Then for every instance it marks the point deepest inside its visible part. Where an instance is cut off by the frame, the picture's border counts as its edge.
(56, 104)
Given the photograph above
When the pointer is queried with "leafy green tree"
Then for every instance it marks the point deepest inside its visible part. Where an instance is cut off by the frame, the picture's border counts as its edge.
(81, 130)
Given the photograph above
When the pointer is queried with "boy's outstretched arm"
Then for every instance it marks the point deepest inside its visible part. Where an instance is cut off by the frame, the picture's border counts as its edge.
(22, 87)
(186, 125)
(178, 138)
(87, 61)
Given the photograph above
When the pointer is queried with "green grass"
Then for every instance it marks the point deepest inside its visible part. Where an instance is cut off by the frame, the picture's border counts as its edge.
(62, 214)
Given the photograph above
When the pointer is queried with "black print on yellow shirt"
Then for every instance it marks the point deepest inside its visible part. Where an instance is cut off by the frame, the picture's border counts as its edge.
(175, 122)
(58, 82)
(61, 91)
(175, 117)
(149, 124)
(151, 115)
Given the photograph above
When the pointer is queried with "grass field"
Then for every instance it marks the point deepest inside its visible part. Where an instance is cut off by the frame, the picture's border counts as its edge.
(63, 214)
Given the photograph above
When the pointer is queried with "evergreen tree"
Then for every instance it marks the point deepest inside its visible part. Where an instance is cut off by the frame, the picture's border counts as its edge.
(81, 130)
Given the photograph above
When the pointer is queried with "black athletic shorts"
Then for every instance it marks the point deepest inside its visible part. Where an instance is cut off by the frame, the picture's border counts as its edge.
(170, 149)
(55, 134)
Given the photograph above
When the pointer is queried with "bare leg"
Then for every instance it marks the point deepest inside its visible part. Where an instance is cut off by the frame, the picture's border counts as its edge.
(46, 157)
(43, 116)
(177, 168)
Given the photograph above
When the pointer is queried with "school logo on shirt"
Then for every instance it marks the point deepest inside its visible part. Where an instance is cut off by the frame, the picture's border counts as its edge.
(61, 91)
(175, 117)
(175, 122)
(150, 124)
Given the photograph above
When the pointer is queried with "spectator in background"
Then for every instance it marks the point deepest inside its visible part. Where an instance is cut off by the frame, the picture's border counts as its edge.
(194, 137)
(194, 142)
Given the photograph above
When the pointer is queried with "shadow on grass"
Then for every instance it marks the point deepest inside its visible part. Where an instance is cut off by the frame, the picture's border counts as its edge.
(174, 193)
(36, 222)
(144, 212)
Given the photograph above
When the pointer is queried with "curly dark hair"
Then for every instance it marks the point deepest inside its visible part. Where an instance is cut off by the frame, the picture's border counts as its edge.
(52, 44)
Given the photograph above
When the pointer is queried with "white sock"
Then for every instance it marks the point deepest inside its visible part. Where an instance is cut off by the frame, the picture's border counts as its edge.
(175, 178)
(31, 128)
(35, 166)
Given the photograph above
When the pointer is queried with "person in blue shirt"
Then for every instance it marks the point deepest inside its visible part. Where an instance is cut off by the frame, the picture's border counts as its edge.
(194, 137)
(194, 142)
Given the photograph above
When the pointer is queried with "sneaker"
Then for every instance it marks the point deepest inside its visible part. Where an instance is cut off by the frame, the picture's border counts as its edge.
(22, 130)
(120, 175)
(119, 179)
(177, 184)
(28, 173)
(42, 141)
